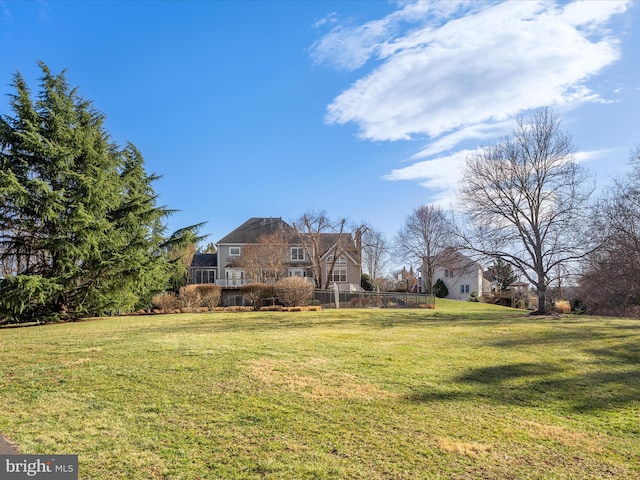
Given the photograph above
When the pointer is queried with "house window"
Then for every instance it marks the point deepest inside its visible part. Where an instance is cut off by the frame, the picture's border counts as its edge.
(448, 273)
(297, 272)
(339, 275)
(235, 251)
(464, 288)
(204, 276)
(340, 261)
(297, 254)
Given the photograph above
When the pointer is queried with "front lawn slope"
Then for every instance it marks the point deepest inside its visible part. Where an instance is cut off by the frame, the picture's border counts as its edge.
(465, 391)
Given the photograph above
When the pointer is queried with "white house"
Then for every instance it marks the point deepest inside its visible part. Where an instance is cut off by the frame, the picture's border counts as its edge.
(461, 275)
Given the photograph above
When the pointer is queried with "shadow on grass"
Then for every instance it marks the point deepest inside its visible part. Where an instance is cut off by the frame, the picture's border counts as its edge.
(546, 385)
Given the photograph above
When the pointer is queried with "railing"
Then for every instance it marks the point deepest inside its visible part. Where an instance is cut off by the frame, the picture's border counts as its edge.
(238, 282)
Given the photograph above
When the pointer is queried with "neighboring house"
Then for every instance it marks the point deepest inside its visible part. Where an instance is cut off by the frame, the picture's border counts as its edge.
(228, 268)
(461, 274)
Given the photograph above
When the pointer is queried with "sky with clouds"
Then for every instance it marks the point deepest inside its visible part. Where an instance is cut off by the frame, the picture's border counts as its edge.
(364, 109)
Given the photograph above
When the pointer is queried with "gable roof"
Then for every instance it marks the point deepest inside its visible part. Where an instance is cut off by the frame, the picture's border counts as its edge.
(452, 258)
(202, 260)
(347, 245)
(254, 228)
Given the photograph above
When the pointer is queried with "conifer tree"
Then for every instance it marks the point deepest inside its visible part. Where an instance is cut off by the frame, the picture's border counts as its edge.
(80, 231)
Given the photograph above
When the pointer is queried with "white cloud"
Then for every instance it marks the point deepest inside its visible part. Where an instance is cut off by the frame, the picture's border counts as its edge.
(6, 13)
(441, 175)
(487, 131)
(329, 19)
(466, 66)
(588, 156)
(455, 71)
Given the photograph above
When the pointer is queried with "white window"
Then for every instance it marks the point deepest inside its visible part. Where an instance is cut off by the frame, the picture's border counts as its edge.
(339, 275)
(235, 251)
(448, 273)
(342, 260)
(464, 288)
(296, 272)
(204, 276)
(297, 254)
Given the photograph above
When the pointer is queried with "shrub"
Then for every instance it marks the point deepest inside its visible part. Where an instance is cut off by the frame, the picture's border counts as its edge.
(257, 293)
(562, 306)
(473, 297)
(293, 291)
(272, 308)
(209, 295)
(189, 297)
(165, 302)
(440, 290)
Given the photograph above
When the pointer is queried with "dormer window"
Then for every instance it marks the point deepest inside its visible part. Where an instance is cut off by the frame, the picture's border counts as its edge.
(297, 254)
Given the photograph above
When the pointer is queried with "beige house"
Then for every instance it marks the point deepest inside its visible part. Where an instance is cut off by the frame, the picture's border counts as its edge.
(229, 268)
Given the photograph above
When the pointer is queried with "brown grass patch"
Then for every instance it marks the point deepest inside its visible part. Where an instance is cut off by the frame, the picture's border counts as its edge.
(469, 449)
(312, 380)
(561, 435)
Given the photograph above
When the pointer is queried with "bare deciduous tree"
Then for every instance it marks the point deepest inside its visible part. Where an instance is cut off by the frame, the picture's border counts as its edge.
(526, 201)
(425, 235)
(265, 260)
(375, 252)
(610, 281)
(313, 230)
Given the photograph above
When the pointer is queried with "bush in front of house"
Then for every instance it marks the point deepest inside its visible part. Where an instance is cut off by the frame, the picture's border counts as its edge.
(209, 295)
(257, 294)
(293, 291)
(166, 302)
(189, 297)
(440, 290)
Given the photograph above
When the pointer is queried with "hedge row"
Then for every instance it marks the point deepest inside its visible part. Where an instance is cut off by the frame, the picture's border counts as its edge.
(189, 298)
(289, 292)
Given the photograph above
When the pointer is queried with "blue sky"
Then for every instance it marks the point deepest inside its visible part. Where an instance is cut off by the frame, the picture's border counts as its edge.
(365, 109)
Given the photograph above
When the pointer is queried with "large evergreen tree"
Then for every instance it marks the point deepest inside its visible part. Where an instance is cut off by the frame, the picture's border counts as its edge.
(80, 231)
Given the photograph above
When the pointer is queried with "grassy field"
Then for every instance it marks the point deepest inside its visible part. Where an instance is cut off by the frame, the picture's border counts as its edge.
(465, 391)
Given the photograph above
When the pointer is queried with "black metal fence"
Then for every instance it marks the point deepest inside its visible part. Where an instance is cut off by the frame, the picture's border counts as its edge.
(327, 298)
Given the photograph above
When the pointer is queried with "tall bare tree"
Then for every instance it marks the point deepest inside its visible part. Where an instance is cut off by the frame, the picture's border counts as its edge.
(318, 233)
(265, 261)
(375, 252)
(526, 201)
(610, 281)
(423, 238)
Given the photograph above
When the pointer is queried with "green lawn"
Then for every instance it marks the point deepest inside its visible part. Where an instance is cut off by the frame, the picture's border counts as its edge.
(465, 391)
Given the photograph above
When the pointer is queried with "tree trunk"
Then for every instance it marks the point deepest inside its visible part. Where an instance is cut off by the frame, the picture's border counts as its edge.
(542, 301)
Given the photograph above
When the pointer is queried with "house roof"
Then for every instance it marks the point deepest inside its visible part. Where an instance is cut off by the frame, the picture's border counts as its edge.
(451, 258)
(254, 228)
(202, 260)
(347, 245)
